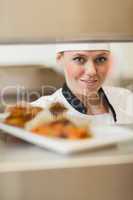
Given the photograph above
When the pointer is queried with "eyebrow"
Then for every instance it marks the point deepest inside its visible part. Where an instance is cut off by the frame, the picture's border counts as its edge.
(85, 55)
(102, 54)
(79, 54)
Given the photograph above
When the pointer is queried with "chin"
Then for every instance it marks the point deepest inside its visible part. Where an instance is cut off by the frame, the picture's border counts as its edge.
(88, 88)
(85, 91)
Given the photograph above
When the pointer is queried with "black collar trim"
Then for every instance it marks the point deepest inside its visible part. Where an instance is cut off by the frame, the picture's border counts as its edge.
(78, 105)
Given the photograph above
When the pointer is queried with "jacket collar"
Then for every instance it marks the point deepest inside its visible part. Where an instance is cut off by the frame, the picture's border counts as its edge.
(79, 106)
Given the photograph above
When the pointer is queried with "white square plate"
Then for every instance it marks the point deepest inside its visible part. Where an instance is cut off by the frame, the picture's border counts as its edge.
(102, 136)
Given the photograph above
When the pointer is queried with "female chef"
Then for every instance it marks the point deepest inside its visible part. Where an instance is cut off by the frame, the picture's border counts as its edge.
(86, 66)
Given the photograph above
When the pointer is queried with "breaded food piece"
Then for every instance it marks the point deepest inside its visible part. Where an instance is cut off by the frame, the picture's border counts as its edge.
(20, 114)
(57, 108)
(15, 121)
(62, 128)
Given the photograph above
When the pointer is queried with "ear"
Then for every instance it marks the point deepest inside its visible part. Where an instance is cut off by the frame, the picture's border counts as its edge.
(59, 58)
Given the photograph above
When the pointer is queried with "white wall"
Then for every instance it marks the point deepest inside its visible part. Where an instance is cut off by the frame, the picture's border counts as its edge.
(123, 53)
(27, 54)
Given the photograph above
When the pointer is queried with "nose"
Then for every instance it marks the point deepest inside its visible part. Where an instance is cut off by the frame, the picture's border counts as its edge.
(90, 68)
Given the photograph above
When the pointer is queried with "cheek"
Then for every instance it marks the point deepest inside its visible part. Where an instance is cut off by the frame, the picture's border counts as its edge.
(103, 71)
(74, 72)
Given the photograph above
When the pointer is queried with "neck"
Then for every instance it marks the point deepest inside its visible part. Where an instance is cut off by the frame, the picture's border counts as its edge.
(94, 102)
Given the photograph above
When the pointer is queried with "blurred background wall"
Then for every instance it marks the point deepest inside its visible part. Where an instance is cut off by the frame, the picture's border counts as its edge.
(46, 20)
(21, 64)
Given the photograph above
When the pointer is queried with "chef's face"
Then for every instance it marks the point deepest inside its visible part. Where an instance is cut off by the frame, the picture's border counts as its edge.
(85, 71)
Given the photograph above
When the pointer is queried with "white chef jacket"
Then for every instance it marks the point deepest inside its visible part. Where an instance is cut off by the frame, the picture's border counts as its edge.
(120, 99)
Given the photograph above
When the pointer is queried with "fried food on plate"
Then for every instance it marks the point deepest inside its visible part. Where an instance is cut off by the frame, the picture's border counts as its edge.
(20, 114)
(57, 108)
(52, 122)
(62, 128)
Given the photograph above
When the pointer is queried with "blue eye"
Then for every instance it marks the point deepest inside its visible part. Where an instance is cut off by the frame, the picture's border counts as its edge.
(79, 60)
(101, 60)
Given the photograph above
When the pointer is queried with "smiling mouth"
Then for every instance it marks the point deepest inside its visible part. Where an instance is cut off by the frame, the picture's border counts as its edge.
(89, 82)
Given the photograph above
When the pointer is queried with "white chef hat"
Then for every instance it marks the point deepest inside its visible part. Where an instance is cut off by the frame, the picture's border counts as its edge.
(82, 46)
